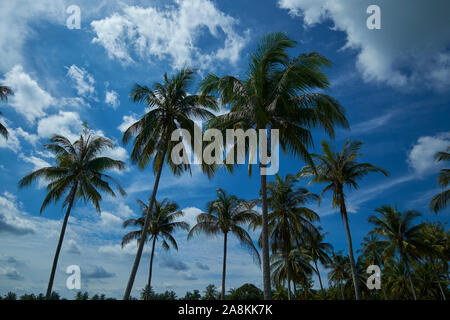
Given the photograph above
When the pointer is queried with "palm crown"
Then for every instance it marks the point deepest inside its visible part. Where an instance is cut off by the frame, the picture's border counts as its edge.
(441, 200)
(4, 92)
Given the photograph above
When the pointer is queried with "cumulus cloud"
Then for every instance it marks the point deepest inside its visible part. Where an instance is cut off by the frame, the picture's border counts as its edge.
(171, 34)
(98, 272)
(112, 98)
(202, 266)
(84, 82)
(10, 218)
(127, 122)
(30, 100)
(172, 263)
(66, 123)
(73, 247)
(410, 48)
(421, 158)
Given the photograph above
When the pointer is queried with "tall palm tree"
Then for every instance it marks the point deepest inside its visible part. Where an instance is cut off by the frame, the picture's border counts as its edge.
(77, 175)
(277, 94)
(289, 219)
(227, 214)
(319, 251)
(339, 270)
(170, 109)
(339, 170)
(4, 92)
(164, 221)
(401, 234)
(440, 201)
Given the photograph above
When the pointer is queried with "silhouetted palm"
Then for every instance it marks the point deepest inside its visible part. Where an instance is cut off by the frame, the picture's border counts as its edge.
(77, 175)
(4, 92)
(227, 214)
(339, 271)
(441, 200)
(402, 236)
(319, 251)
(339, 170)
(277, 94)
(163, 223)
(170, 109)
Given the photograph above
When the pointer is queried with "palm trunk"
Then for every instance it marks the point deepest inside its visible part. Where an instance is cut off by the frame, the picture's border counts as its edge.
(149, 284)
(224, 270)
(350, 249)
(342, 290)
(61, 238)
(382, 283)
(265, 241)
(408, 274)
(318, 274)
(437, 279)
(288, 273)
(144, 229)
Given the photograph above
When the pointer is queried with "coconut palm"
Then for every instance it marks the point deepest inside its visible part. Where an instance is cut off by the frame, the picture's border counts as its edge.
(440, 201)
(289, 219)
(164, 221)
(401, 235)
(339, 271)
(318, 250)
(4, 92)
(339, 170)
(77, 175)
(277, 94)
(170, 109)
(227, 214)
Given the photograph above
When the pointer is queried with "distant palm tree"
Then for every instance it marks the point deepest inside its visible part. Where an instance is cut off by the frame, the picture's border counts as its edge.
(339, 170)
(288, 219)
(402, 236)
(78, 175)
(277, 94)
(372, 252)
(227, 214)
(339, 270)
(319, 251)
(164, 220)
(297, 266)
(441, 200)
(396, 282)
(169, 110)
(4, 92)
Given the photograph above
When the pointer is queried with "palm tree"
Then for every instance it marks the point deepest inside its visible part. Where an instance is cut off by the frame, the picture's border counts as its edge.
(372, 252)
(440, 201)
(163, 222)
(77, 175)
(339, 270)
(288, 219)
(227, 214)
(434, 239)
(4, 92)
(169, 110)
(319, 251)
(297, 266)
(277, 94)
(402, 236)
(339, 170)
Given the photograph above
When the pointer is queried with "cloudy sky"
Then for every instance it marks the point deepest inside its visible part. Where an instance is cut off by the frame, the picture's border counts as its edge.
(394, 83)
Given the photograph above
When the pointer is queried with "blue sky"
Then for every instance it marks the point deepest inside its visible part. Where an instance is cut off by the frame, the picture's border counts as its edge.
(393, 83)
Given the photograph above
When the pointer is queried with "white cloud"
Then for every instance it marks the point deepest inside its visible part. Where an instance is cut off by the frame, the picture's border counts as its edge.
(65, 123)
(421, 158)
(411, 47)
(169, 34)
(84, 82)
(29, 99)
(127, 122)
(108, 219)
(112, 98)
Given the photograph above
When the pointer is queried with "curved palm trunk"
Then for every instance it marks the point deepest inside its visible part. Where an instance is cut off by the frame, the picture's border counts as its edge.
(265, 240)
(437, 279)
(318, 274)
(224, 270)
(350, 250)
(149, 284)
(408, 274)
(144, 235)
(61, 238)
